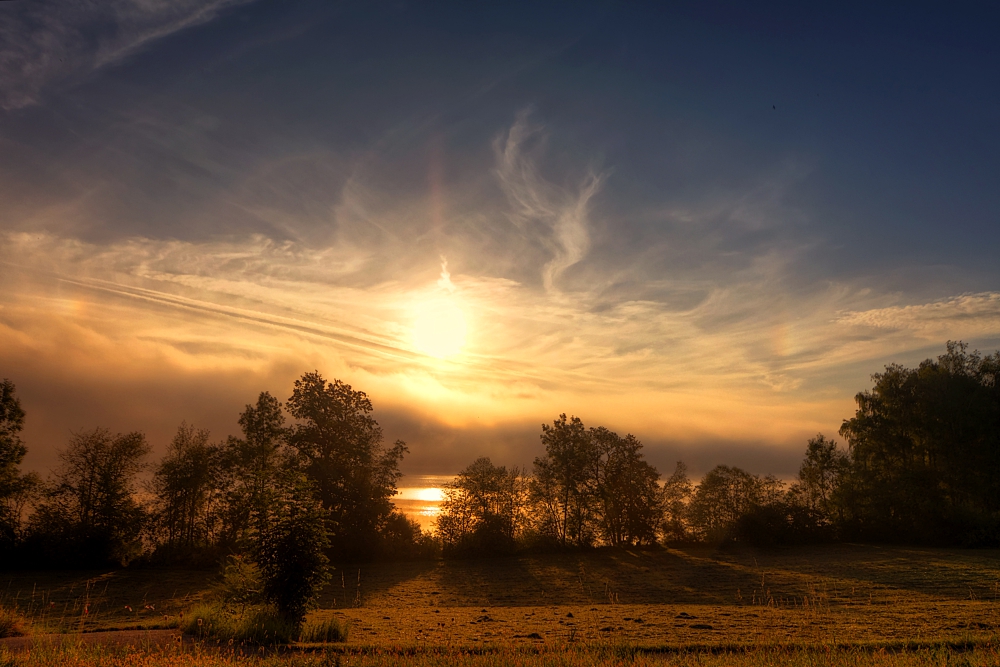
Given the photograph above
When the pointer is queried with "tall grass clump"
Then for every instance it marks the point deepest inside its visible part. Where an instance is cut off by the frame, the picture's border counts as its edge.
(12, 624)
(253, 625)
(258, 625)
(325, 631)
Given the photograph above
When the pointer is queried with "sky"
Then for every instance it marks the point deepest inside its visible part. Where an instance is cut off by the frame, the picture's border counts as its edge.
(706, 224)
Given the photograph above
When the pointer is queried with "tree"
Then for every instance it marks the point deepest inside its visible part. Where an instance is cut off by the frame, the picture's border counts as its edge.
(626, 487)
(12, 450)
(819, 477)
(16, 489)
(483, 510)
(340, 444)
(676, 493)
(925, 453)
(725, 496)
(291, 550)
(91, 509)
(253, 468)
(19, 495)
(561, 495)
(402, 538)
(185, 485)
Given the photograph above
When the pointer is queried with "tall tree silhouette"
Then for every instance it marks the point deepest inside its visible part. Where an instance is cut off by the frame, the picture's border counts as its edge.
(91, 513)
(925, 452)
(341, 446)
(254, 469)
(676, 493)
(185, 484)
(819, 478)
(727, 495)
(563, 502)
(16, 488)
(483, 510)
(627, 489)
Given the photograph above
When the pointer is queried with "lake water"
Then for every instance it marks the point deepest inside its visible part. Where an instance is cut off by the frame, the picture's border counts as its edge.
(420, 497)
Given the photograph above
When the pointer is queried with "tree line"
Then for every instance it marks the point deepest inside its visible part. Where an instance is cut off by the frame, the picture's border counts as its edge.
(326, 474)
(311, 479)
(922, 465)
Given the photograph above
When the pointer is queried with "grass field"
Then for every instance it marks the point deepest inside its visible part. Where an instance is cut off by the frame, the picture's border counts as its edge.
(690, 605)
(504, 657)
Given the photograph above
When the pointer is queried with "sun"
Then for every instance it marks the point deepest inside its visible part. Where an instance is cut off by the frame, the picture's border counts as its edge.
(439, 328)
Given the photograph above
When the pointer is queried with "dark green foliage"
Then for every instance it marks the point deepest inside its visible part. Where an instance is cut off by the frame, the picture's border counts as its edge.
(484, 511)
(90, 512)
(252, 469)
(15, 488)
(676, 493)
(403, 539)
(242, 586)
(185, 487)
(261, 624)
(593, 486)
(726, 497)
(925, 453)
(562, 499)
(340, 444)
(630, 506)
(291, 552)
(12, 450)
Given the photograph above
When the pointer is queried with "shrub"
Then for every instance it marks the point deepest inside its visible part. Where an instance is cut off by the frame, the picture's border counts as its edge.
(291, 554)
(241, 583)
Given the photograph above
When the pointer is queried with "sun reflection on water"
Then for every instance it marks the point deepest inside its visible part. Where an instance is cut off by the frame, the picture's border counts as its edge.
(419, 497)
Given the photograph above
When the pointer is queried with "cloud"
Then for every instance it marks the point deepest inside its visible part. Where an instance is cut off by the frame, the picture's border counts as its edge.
(47, 42)
(555, 216)
(973, 314)
(699, 332)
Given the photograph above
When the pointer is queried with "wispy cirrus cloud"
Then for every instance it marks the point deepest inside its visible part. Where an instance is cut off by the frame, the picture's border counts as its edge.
(555, 216)
(702, 330)
(46, 42)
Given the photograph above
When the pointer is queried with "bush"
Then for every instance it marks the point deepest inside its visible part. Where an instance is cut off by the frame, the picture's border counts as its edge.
(402, 539)
(291, 554)
(241, 583)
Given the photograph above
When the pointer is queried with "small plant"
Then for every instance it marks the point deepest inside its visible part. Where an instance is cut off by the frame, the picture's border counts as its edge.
(241, 583)
(325, 631)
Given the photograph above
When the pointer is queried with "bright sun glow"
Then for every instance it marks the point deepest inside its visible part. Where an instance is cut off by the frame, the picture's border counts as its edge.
(439, 329)
(431, 494)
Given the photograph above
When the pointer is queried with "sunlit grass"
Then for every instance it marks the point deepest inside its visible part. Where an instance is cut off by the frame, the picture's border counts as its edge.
(657, 603)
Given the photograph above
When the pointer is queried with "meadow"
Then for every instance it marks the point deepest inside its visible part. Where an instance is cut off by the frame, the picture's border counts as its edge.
(849, 604)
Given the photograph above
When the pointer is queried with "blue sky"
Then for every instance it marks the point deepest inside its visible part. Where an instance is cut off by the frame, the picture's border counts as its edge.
(706, 224)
